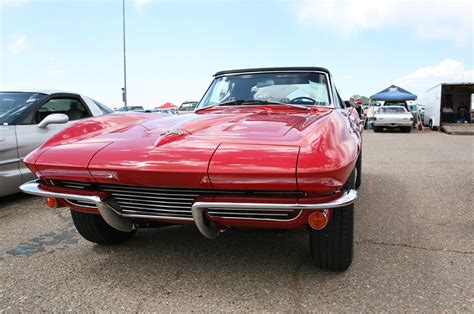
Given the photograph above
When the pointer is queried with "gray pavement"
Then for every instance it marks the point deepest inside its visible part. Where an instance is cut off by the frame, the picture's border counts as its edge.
(414, 249)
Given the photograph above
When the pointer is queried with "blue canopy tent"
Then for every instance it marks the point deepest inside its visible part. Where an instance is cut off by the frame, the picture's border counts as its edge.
(393, 93)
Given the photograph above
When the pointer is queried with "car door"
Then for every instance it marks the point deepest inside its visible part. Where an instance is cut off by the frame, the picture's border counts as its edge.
(30, 136)
(10, 176)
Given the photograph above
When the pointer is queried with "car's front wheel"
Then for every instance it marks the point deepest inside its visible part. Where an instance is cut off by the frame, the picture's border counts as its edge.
(332, 247)
(432, 127)
(94, 228)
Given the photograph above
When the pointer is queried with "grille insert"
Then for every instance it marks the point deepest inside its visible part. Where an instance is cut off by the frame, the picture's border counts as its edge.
(137, 201)
(151, 201)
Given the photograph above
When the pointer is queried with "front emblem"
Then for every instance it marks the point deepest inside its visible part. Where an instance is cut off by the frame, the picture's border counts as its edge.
(175, 132)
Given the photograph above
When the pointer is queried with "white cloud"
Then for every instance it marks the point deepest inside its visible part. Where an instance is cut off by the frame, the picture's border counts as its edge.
(446, 71)
(428, 19)
(18, 44)
(140, 4)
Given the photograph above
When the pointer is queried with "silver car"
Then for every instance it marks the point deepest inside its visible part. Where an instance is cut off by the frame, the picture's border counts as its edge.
(27, 119)
(393, 117)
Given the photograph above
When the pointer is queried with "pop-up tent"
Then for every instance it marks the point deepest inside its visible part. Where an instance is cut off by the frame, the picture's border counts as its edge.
(166, 105)
(393, 93)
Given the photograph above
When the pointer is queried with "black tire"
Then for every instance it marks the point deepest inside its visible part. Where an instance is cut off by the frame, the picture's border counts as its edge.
(358, 166)
(432, 128)
(378, 129)
(332, 248)
(406, 129)
(94, 229)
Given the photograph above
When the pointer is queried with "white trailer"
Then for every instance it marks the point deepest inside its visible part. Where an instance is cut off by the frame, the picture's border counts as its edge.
(452, 95)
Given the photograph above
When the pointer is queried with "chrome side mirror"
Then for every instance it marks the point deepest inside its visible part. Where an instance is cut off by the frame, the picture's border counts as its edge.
(54, 118)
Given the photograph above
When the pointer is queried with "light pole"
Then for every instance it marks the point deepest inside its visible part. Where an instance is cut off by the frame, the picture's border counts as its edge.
(124, 89)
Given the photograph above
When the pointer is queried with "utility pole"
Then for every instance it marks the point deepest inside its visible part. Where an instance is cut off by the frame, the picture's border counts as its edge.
(124, 89)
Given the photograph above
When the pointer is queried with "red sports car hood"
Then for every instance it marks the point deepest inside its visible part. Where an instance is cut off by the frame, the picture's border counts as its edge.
(232, 123)
(220, 148)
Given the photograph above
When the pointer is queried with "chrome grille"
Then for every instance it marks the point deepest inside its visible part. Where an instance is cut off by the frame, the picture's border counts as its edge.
(152, 201)
(135, 201)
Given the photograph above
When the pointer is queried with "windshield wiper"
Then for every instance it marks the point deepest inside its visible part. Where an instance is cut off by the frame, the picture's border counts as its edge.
(254, 102)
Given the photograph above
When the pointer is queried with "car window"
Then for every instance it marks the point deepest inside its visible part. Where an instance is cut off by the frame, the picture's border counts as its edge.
(392, 109)
(71, 107)
(14, 105)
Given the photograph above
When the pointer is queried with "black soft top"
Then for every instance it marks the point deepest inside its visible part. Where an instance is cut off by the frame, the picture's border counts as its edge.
(280, 69)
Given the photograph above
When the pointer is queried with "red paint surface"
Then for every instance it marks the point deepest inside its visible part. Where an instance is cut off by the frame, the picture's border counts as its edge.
(237, 148)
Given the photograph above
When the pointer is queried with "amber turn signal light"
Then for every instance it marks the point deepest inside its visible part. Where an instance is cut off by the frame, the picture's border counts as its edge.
(318, 220)
(51, 202)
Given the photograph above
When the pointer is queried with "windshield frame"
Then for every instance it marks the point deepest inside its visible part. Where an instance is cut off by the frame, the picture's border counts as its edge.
(330, 105)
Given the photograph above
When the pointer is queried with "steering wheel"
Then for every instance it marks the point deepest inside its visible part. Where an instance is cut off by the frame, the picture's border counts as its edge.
(303, 100)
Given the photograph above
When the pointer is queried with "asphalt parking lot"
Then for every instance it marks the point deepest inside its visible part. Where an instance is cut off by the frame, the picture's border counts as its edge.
(414, 249)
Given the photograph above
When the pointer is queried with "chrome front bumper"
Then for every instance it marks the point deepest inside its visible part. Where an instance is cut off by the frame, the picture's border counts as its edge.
(207, 228)
(393, 124)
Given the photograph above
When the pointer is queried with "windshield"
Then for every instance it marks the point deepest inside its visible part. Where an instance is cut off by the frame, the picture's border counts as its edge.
(13, 105)
(306, 88)
(392, 109)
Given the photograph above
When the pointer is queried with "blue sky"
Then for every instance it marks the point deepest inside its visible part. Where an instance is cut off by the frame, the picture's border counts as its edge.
(174, 47)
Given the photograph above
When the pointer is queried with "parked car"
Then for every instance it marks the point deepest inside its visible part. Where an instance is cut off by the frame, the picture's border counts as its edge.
(370, 113)
(131, 108)
(393, 117)
(187, 107)
(27, 119)
(266, 148)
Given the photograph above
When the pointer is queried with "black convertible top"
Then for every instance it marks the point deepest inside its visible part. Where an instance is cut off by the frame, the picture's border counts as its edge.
(280, 69)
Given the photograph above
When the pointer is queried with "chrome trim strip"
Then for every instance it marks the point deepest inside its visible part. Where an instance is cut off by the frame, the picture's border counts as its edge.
(346, 198)
(71, 202)
(169, 218)
(113, 218)
(32, 187)
(153, 206)
(149, 198)
(210, 230)
(121, 221)
(250, 209)
(9, 161)
(262, 213)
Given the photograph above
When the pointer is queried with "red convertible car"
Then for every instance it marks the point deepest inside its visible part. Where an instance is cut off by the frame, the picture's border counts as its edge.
(271, 148)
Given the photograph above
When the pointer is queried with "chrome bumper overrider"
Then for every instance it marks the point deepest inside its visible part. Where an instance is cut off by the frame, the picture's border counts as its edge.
(207, 228)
